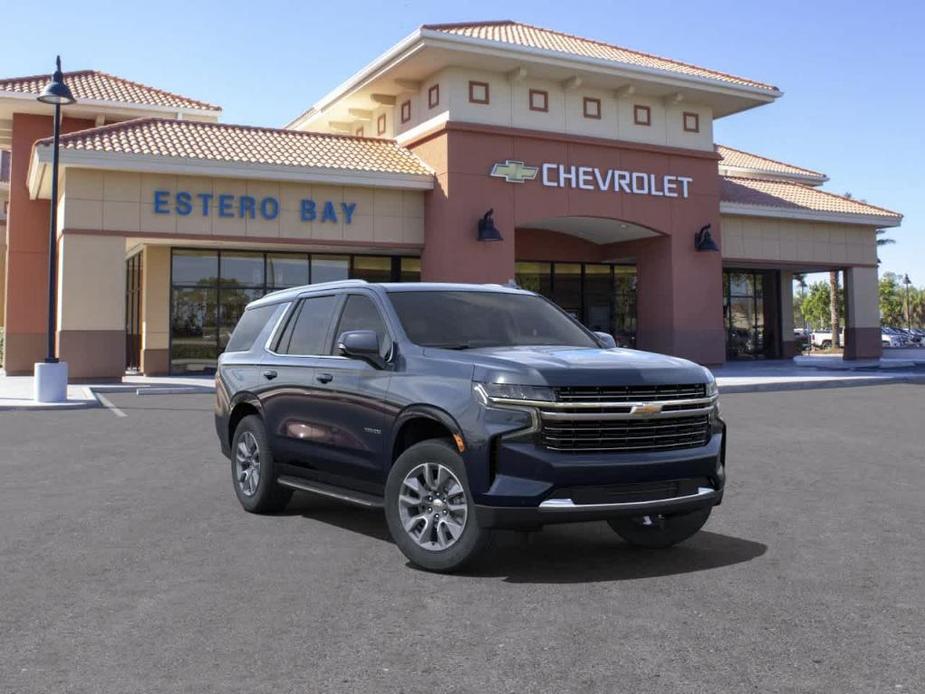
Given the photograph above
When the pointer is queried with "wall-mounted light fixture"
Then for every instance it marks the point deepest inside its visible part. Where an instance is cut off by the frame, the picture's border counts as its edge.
(703, 240)
(487, 229)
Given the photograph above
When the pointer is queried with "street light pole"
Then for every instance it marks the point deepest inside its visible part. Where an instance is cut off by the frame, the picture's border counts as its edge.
(907, 282)
(50, 382)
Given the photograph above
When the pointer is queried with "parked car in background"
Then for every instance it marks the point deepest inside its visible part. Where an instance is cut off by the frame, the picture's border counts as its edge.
(804, 337)
(893, 337)
(822, 339)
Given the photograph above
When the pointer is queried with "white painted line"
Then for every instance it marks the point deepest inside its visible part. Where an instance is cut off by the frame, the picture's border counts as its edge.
(105, 402)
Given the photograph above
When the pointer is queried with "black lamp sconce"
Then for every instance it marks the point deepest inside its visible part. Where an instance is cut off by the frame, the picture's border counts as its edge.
(703, 240)
(487, 229)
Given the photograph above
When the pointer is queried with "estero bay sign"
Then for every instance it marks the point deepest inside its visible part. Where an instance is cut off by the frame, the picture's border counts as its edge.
(185, 203)
(594, 178)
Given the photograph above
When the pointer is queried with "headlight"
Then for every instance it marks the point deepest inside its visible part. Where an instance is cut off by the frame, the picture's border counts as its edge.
(511, 391)
(711, 384)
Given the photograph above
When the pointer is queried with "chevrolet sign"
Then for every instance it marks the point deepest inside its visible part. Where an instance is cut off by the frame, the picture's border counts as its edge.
(514, 171)
(594, 178)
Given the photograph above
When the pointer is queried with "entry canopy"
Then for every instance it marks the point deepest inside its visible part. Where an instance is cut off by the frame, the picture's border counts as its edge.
(599, 230)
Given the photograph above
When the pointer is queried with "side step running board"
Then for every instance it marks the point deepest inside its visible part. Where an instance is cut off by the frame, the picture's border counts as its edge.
(349, 495)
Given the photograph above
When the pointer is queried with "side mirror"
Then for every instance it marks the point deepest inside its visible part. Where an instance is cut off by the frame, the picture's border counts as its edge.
(606, 340)
(361, 344)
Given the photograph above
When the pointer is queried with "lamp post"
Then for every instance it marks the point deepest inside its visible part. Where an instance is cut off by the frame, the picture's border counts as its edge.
(51, 375)
(907, 282)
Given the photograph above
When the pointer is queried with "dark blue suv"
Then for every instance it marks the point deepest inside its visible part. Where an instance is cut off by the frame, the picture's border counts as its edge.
(463, 408)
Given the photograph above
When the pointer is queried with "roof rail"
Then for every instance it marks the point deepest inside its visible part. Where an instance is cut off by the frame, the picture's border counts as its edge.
(292, 292)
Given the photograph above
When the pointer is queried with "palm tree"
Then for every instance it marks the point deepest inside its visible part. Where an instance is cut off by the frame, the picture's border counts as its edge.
(883, 241)
(833, 307)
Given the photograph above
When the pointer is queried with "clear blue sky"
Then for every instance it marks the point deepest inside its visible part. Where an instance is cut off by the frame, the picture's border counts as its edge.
(851, 72)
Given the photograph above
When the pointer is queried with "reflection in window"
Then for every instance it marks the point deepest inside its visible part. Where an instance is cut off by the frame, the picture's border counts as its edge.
(286, 270)
(242, 269)
(329, 268)
(372, 268)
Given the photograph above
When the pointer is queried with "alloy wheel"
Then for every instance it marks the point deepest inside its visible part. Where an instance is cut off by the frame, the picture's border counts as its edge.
(247, 464)
(433, 507)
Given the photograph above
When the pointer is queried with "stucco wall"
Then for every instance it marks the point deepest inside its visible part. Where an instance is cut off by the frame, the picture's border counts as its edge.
(782, 240)
(113, 201)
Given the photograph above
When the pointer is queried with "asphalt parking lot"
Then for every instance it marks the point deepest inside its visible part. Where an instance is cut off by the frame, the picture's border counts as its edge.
(126, 565)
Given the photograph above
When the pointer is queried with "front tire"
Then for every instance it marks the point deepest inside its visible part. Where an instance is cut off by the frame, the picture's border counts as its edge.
(659, 532)
(253, 470)
(429, 508)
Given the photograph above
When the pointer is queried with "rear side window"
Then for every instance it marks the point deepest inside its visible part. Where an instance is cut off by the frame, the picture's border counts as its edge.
(308, 329)
(249, 327)
(360, 313)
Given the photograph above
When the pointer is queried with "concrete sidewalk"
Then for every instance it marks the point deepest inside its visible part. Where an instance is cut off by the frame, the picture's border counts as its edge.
(16, 391)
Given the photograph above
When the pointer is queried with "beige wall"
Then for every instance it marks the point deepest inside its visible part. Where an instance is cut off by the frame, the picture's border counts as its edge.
(862, 287)
(123, 202)
(2, 273)
(155, 297)
(781, 240)
(509, 106)
(91, 282)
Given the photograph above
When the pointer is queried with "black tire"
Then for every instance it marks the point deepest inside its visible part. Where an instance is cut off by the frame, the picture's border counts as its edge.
(662, 531)
(267, 496)
(471, 540)
(826, 344)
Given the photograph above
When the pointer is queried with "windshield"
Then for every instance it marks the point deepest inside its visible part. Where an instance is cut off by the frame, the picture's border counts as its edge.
(470, 319)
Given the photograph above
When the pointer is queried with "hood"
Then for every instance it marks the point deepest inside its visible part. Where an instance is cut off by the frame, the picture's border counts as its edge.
(570, 366)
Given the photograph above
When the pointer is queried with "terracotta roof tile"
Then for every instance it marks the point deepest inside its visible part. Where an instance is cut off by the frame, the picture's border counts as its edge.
(794, 196)
(245, 144)
(93, 85)
(515, 33)
(738, 159)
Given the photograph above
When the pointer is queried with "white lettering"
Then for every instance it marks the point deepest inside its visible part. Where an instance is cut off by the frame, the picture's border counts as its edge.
(603, 183)
(622, 181)
(671, 186)
(547, 180)
(654, 186)
(584, 178)
(640, 188)
(684, 181)
(566, 176)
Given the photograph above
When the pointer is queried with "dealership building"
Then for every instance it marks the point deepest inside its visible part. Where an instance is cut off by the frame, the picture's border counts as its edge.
(483, 152)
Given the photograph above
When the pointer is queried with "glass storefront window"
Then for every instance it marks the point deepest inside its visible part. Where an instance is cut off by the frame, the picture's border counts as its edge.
(195, 268)
(241, 269)
(286, 270)
(210, 290)
(566, 287)
(372, 268)
(536, 277)
(410, 270)
(598, 297)
(330, 268)
(745, 314)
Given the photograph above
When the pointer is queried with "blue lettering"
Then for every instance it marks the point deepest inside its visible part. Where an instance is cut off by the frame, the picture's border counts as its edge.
(247, 206)
(224, 205)
(160, 202)
(184, 204)
(269, 208)
(308, 210)
(348, 208)
(206, 201)
(329, 215)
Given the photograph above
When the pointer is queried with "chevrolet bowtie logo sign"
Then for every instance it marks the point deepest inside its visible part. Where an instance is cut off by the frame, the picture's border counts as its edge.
(514, 171)
(648, 408)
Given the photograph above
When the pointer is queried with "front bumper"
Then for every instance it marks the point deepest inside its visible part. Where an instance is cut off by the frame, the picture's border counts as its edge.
(533, 486)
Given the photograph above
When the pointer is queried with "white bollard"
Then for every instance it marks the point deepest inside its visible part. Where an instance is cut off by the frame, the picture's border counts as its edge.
(50, 382)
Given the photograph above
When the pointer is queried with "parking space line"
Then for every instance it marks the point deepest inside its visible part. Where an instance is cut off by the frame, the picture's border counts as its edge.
(107, 403)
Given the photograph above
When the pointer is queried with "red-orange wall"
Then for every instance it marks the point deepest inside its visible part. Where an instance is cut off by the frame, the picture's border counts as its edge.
(679, 289)
(27, 248)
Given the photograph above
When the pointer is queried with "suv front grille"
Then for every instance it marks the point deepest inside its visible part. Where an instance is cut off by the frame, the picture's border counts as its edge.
(576, 422)
(626, 435)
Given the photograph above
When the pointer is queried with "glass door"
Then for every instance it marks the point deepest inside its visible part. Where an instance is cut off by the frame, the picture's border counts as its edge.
(750, 314)
(133, 286)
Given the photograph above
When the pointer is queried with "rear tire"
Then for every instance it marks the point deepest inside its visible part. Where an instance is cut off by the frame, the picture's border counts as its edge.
(660, 531)
(253, 471)
(430, 510)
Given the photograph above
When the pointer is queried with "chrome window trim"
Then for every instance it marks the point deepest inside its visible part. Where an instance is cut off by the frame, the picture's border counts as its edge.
(605, 416)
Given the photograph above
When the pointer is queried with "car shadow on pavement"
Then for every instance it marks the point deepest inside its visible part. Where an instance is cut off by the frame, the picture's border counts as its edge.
(571, 553)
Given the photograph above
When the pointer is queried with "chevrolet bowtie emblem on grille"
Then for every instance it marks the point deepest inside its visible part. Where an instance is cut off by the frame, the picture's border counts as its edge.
(514, 171)
(648, 408)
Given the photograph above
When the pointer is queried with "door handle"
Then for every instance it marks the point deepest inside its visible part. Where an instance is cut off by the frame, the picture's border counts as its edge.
(270, 374)
(324, 378)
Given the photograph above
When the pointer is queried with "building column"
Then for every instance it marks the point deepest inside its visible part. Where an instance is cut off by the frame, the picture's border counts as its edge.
(155, 311)
(91, 305)
(679, 300)
(862, 303)
(789, 346)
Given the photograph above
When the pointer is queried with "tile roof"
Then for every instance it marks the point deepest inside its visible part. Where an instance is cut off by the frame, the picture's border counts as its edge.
(93, 85)
(736, 158)
(245, 144)
(794, 196)
(515, 33)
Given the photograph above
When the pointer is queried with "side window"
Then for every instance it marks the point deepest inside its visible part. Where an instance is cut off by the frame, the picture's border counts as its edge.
(249, 327)
(360, 313)
(308, 327)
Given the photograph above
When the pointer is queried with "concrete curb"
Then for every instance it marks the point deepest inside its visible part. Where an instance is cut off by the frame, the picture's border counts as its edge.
(93, 400)
(818, 385)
